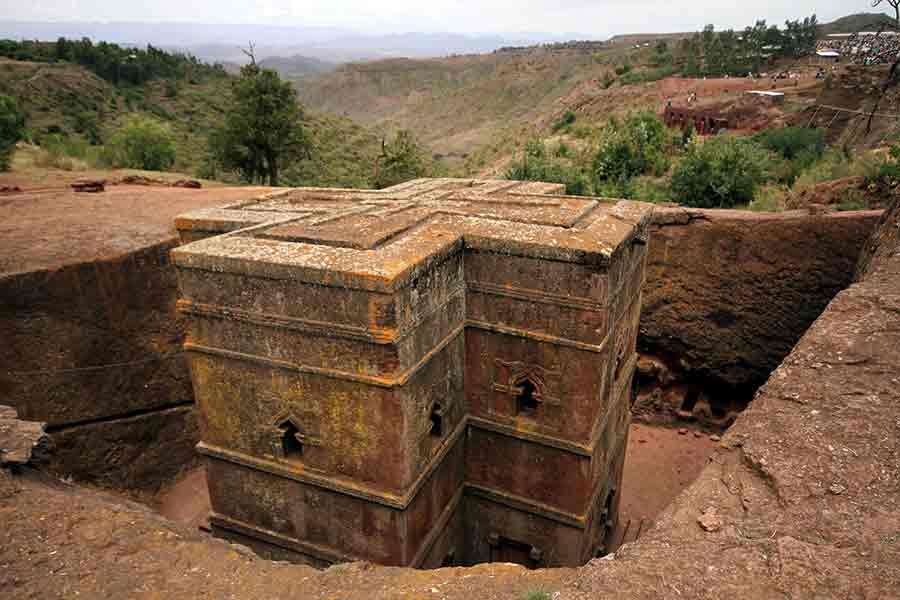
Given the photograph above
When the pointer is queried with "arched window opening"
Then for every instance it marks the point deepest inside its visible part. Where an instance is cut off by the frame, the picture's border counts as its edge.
(437, 420)
(526, 399)
(291, 446)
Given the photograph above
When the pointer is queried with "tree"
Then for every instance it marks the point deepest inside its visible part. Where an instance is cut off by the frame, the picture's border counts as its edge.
(142, 143)
(400, 160)
(263, 130)
(12, 129)
(895, 4)
(635, 147)
(720, 172)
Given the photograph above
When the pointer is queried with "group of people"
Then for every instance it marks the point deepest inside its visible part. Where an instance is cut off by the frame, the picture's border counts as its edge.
(865, 49)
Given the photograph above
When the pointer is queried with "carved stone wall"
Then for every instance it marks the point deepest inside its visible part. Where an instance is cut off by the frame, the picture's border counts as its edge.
(401, 376)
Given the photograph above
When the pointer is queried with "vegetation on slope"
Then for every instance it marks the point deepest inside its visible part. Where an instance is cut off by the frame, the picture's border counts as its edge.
(638, 157)
(74, 114)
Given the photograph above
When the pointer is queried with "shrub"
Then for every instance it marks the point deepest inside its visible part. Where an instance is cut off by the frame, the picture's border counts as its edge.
(793, 142)
(536, 595)
(66, 153)
(400, 160)
(142, 143)
(799, 147)
(86, 123)
(852, 200)
(720, 172)
(12, 129)
(885, 173)
(769, 198)
(635, 147)
(538, 164)
(648, 75)
(833, 164)
(565, 120)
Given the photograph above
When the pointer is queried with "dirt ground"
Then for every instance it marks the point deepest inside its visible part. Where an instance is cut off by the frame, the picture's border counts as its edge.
(659, 463)
(49, 227)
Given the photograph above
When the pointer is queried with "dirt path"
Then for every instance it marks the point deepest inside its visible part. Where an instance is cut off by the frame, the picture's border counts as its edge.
(659, 464)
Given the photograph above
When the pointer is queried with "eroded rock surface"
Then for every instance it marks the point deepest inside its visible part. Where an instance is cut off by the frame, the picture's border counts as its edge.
(805, 488)
(91, 338)
(729, 293)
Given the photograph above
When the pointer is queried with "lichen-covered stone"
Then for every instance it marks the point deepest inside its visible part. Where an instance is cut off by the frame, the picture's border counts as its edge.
(401, 375)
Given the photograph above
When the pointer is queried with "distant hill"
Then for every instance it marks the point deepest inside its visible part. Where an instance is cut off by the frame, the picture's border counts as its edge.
(297, 67)
(854, 23)
(221, 43)
(459, 103)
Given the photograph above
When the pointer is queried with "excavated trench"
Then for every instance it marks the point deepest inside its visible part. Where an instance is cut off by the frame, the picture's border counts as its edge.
(727, 296)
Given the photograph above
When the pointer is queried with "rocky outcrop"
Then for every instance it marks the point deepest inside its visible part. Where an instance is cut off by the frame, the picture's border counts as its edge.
(882, 247)
(91, 340)
(19, 440)
(729, 293)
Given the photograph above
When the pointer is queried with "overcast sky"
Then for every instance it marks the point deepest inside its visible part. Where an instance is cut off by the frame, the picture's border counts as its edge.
(597, 17)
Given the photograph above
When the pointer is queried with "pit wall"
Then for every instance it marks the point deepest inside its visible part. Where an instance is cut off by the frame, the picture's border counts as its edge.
(94, 350)
(727, 296)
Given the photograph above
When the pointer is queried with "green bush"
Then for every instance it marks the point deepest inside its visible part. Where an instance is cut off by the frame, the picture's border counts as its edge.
(833, 164)
(648, 75)
(793, 142)
(720, 172)
(86, 123)
(769, 198)
(636, 147)
(400, 160)
(536, 595)
(852, 200)
(884, 174)
(142, 143)
(799, 147)
(12, 129)
(539, 164)
(67, 153)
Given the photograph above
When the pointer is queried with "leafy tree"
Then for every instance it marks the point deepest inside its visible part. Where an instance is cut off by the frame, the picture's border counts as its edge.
(263, 130)
(400, 160)
(793, 142)
(720, 172)
(12, 129)
(895, 4)
(635, 147)
(661, 54)
(142, 143)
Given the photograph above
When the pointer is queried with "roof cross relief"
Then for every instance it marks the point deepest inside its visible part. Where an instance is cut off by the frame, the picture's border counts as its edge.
(382, 233)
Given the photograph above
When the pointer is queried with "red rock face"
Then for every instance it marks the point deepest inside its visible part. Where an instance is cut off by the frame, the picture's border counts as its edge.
(401, 376)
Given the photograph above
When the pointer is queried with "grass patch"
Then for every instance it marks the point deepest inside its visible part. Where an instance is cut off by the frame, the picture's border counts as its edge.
(769, 198)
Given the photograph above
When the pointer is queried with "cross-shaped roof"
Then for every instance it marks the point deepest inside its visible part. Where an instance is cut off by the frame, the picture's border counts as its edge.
(377, 240)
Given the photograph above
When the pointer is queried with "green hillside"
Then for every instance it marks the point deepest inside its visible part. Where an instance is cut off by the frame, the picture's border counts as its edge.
(460, 103)
(67, 101)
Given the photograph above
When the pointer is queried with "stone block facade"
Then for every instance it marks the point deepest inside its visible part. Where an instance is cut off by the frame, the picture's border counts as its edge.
(436, 373)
